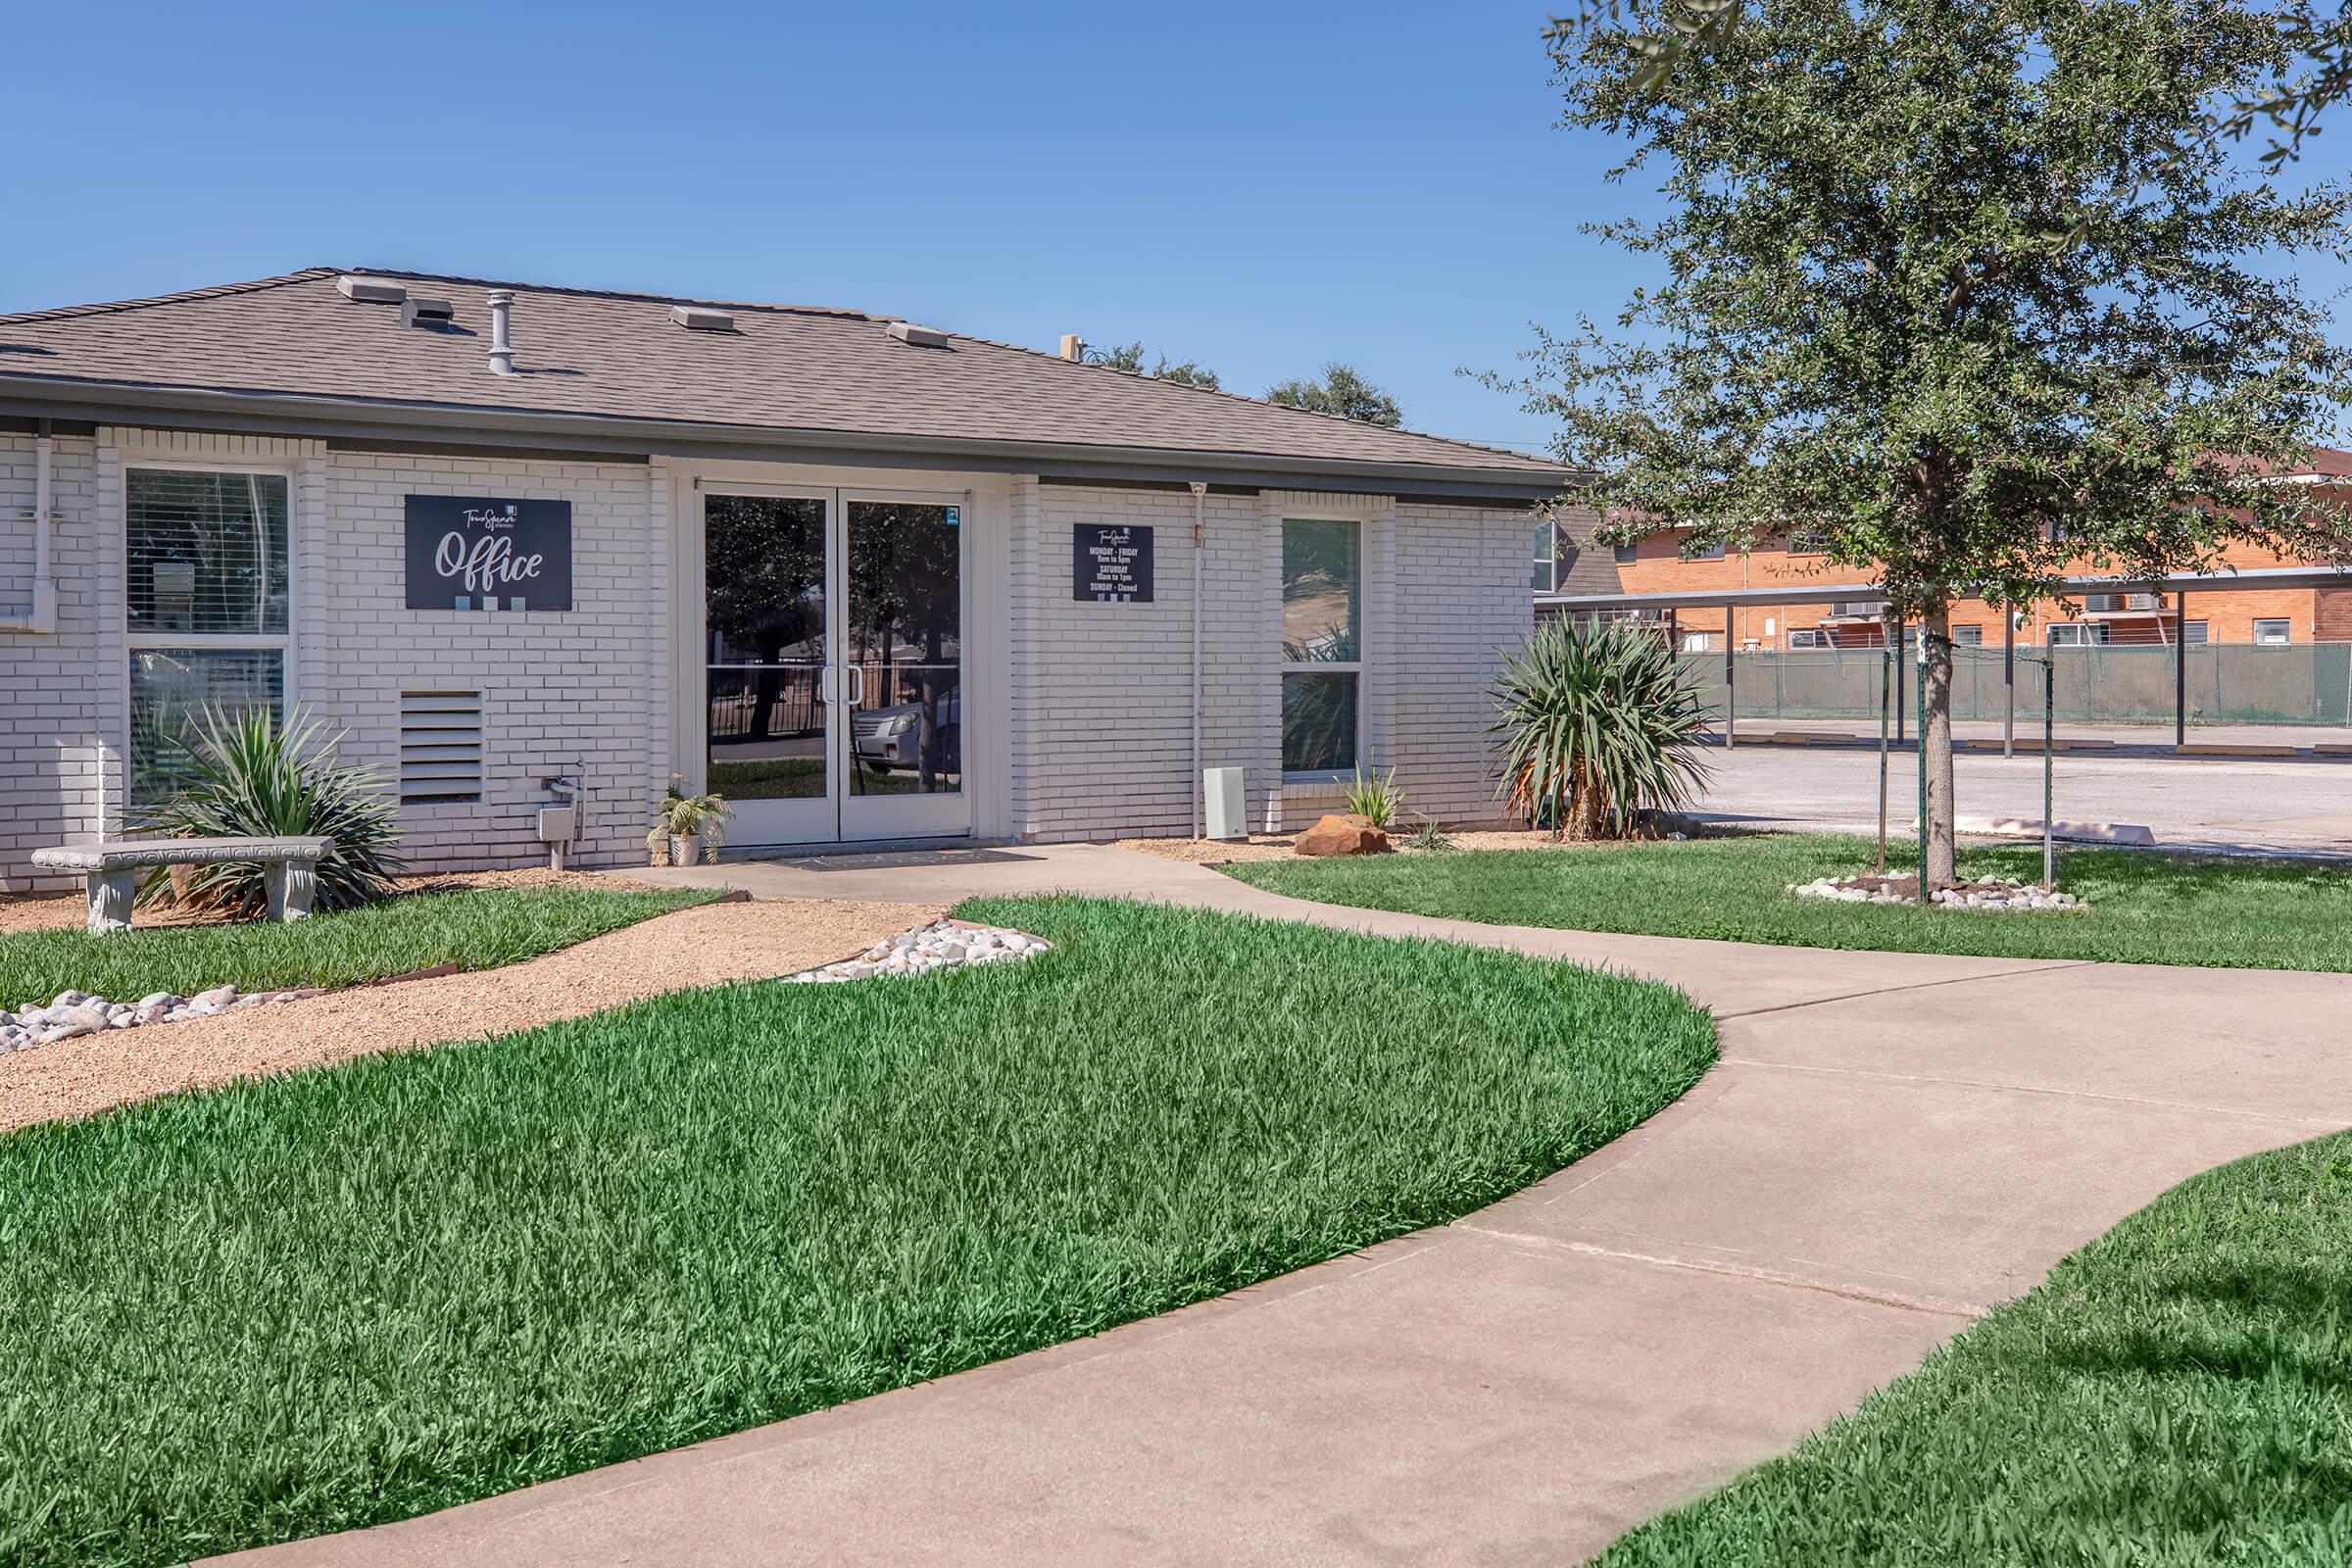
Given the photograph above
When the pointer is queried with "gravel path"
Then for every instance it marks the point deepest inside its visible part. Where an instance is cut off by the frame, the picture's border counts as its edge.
(706, 946)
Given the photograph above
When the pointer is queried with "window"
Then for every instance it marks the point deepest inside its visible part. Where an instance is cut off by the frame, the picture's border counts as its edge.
(1322, 571)
(206, 587)
(1626, 553)
(2077, 633)
(1698, 642)
(1704, 553)
(1968, 636)
(1811, 542)
(1546, 561)
(2195, 633)
(2271, 634)
(1809, 637)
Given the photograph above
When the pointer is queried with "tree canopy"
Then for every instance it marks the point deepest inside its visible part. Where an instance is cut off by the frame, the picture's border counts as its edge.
(1963, 290)
(1129, 356)
(1338, 390)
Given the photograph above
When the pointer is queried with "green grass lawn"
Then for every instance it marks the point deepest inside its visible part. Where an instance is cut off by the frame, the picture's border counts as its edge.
(480, 928)
(2144, 908)
(404, 1282)
(2178, 1394)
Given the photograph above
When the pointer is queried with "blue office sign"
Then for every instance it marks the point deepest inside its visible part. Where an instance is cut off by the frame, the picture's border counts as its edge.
(488, 554)
(1110, 563)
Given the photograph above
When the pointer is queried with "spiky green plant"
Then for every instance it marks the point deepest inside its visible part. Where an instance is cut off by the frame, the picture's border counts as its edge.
(1601, 724)
(246, 775)
(1375, 797)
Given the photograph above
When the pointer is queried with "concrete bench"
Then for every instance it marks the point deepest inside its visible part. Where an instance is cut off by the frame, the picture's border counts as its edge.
(111, 868)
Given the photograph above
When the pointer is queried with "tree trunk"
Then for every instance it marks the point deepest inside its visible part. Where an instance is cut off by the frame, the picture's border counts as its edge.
(1936, 745)
(1587, 806)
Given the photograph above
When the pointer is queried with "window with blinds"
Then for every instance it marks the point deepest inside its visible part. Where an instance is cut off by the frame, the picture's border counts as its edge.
(206, 575)
(205, 551)
(440, 745)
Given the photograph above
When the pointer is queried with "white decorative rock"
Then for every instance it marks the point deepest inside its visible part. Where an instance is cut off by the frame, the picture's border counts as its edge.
(940, 944)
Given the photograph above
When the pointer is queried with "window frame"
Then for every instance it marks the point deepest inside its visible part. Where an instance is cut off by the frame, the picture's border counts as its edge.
(1550, 562)
(2287, 631)
(1284, 665)
(136, 642)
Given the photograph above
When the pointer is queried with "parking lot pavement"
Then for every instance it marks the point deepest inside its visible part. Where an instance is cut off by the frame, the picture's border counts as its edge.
(2295, 807)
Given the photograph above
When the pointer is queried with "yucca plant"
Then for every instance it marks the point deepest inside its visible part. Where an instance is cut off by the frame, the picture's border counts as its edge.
(245, 775)
(1375, 797)
(1601, 724)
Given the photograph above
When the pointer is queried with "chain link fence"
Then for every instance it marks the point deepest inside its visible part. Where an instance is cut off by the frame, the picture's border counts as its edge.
(2228, 683)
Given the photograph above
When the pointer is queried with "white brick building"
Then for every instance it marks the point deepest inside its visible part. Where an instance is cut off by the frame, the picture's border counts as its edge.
(849, 572)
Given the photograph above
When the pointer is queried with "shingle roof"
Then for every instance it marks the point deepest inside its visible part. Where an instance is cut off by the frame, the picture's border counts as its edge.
(621, 355)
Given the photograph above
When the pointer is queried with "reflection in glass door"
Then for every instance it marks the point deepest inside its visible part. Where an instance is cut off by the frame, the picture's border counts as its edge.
(833, 670)
(767, 632)
(905, 667)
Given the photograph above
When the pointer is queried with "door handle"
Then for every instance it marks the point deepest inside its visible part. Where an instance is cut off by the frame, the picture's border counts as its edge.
(857, 695)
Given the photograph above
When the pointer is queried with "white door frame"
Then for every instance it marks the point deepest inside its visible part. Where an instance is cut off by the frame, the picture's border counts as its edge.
(985, 702)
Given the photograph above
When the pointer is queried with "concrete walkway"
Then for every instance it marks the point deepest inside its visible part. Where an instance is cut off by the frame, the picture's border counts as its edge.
(1890, 1144)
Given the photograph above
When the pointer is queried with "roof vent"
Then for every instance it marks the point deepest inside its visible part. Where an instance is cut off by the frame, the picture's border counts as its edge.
(371, 290)
(438, 315)
(921, 337)
(702, 319)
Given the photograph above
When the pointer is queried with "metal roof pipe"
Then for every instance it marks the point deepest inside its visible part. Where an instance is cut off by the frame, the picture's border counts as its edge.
(502, 347)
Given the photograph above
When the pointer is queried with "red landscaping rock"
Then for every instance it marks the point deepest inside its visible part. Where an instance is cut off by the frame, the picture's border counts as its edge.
(1344, 833)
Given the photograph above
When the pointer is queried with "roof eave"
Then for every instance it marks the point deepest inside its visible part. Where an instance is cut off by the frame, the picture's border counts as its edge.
(359, 419)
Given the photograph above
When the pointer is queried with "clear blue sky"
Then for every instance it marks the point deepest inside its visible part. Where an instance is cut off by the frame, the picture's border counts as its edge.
(1262, 187)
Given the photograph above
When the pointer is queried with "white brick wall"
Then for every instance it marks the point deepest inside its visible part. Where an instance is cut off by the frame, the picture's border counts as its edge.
(57, 698)
(561, 692)
(1102, 692)
(1098, 715)
(1464, 601)
(579, 694)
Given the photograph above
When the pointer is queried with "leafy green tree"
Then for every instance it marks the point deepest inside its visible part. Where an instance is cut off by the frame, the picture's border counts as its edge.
(1964, 290)
(2316, 74)
(1129, 356)
(1340, 391)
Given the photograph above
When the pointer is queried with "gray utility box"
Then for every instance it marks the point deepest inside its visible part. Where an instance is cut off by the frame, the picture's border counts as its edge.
(1228, 802)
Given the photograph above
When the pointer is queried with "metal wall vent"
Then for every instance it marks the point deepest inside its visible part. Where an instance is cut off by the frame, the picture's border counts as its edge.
(702, 319)
(440, 745)
(371, 290)
(921, 337)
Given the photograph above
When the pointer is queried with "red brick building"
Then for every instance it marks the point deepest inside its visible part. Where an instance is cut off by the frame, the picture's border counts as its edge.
(2274, 616)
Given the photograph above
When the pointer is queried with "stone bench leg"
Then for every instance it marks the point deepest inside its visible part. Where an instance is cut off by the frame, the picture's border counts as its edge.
(110, 900)
(289, 888)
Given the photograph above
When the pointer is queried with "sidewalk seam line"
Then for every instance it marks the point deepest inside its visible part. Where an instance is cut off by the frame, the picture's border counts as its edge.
(2040, 967)
(1852, 1293)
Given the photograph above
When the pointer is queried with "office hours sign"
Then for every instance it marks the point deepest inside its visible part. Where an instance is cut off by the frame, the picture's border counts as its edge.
(485, 553)
(1110, 563)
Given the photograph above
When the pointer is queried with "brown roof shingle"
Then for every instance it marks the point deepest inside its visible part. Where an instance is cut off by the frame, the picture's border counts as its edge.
(621, 356)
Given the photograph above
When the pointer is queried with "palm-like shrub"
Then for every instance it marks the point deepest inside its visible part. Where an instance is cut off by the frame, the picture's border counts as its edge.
(245, 775)
(1601, 724)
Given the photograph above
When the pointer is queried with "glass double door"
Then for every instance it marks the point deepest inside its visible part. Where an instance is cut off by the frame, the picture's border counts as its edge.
(833, 678)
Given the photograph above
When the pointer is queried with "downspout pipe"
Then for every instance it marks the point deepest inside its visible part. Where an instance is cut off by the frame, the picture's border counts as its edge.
(1200, 489)
(43, 617)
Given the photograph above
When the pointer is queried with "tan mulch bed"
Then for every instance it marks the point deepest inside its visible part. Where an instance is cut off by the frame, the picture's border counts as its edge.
(1278, 846)
(47, 911)
(705, 946)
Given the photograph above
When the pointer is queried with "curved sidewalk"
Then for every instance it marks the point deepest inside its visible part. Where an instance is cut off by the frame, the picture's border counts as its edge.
(1890, 1144)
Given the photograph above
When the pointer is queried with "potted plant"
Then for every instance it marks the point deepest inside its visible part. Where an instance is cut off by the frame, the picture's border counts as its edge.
(690, 822)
